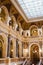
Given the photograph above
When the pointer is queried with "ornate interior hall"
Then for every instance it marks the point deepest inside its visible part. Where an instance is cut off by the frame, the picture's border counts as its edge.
(21, 32)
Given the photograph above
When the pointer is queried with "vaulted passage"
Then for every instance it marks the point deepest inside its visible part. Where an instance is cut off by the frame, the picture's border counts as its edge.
(34, 53)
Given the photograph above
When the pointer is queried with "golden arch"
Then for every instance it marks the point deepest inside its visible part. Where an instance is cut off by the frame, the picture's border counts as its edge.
(32, 44)
(4, 14)
(34, 30)
(34, 53)
(4, 44)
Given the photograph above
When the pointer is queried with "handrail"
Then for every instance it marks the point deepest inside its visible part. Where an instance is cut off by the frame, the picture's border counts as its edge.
(24, 61)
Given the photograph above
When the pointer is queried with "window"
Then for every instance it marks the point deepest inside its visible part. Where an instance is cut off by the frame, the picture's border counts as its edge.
(32, 8)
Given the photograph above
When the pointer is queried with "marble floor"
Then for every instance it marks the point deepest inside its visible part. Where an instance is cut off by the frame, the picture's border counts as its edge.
(22, 63)
(13, 63)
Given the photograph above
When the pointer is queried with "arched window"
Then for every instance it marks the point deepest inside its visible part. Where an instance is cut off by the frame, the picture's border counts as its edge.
(33, 30)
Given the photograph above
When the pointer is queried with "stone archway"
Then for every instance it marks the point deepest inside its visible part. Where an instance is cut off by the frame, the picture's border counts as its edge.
(34, 53)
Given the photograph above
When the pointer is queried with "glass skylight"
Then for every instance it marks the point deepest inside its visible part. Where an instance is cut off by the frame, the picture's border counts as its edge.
(32, 8)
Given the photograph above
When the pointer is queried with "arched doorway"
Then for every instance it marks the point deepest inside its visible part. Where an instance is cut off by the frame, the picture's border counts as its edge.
(34, 53)
(1, 49)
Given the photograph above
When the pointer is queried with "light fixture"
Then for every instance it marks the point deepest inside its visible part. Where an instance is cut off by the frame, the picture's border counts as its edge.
(11, 50)
(35, 51)
(32, 64)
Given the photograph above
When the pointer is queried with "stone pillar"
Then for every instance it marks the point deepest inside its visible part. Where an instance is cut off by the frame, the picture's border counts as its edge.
(29, 32)
(5, 44)
(15, 27)
(39, 32)
(4, 50)
(28, 49)
(14, 48)
(0, 10)
(8, 20)
(20, 48)
(42, 48)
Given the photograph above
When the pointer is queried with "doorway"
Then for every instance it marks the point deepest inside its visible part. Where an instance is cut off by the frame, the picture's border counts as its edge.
(34, 53)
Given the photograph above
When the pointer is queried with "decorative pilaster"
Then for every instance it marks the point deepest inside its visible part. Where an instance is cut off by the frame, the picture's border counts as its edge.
(20, 48)
(14, 48)
(39, 32)
(42, 48)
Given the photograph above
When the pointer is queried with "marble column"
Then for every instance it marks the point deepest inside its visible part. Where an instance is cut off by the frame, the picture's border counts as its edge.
(28, 49)
(39, 32)
(14, 48)
(20, 48)
(29, 32)
(42, 48)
